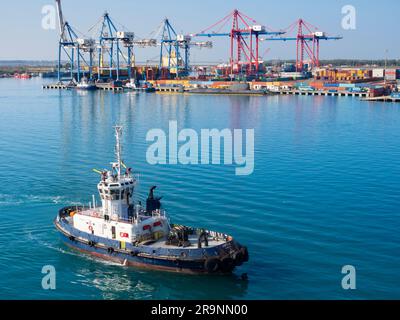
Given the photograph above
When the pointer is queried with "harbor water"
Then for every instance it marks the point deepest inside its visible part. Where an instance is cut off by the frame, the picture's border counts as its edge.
(324, 192)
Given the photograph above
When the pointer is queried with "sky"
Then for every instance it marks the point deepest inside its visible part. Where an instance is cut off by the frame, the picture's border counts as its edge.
(376, 28)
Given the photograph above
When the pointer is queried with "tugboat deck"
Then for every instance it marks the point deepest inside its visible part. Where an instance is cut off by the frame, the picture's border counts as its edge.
(193, 239)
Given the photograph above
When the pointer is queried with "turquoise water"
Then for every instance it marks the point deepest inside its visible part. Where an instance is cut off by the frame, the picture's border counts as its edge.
(324, 192)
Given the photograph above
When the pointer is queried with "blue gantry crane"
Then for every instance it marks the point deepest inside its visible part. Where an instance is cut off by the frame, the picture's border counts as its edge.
(171, 58)
(111, 43)
(175, 51)
(75, 49)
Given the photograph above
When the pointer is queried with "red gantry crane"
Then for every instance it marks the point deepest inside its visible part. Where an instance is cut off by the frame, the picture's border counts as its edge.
(307, 42)
(244, 40)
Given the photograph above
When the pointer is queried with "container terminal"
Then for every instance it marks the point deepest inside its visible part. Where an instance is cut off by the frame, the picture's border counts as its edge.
(107, 62)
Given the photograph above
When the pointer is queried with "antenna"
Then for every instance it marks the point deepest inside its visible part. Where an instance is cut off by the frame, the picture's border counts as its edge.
(118, 148)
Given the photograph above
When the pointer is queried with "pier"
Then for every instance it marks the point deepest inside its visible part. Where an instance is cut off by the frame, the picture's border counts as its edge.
(100, 86)
(382, 99)
(55, 86)
(169, 89)
(108, 87)
(323, 93)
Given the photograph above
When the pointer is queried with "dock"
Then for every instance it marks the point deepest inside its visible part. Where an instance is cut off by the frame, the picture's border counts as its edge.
(101, 86)
(323, 93)
(108, 87)
(169, 89)
(382, 99)
(55, 86)
(364, 96)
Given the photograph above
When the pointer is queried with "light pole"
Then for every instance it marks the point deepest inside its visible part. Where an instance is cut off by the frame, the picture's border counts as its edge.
(384, 74)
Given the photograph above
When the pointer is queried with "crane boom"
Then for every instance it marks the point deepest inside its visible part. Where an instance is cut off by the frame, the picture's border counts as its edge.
(60, 20)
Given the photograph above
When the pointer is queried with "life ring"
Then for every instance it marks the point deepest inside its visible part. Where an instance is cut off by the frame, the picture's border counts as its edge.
(212, 264)
(227, 264)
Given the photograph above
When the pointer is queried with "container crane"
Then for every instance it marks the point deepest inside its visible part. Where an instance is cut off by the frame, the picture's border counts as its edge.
(111, 42)
(174, 49)
(70, 43)
(177, 51)
(244, 36)
(307, 39)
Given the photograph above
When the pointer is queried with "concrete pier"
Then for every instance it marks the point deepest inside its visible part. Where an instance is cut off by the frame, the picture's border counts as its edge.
(108, 86)
(55, 86)
(169, 89)
(382, 99)
(323, 93)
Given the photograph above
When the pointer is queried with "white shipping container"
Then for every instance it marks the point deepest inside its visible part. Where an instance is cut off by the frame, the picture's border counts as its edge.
(378, 73)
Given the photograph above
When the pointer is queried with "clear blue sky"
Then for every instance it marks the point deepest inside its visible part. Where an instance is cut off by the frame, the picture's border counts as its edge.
(22, 36)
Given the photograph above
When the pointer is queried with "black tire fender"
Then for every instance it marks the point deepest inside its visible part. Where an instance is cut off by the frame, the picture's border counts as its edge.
(212, 264)
(227, 264)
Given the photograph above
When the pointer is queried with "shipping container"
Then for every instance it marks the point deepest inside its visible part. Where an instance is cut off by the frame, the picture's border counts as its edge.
(390, 74)
(331, 85)
(306, 88)
(378, 73)
(347, 85)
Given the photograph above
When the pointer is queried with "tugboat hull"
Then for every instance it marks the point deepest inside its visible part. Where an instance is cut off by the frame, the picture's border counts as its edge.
(219, 260)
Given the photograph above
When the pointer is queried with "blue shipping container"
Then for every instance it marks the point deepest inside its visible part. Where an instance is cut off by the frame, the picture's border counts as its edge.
(331, 85)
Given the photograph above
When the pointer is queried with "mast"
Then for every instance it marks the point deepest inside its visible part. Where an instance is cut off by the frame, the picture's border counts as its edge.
(118, 148)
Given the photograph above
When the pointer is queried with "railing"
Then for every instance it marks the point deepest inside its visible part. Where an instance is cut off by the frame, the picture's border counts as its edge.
(97, 214)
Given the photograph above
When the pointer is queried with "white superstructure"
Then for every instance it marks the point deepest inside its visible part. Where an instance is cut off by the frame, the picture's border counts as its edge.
(119, 218)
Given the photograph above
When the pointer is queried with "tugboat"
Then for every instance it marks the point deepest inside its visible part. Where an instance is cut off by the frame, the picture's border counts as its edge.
(86, 84)
(135, 86)
(125, 232)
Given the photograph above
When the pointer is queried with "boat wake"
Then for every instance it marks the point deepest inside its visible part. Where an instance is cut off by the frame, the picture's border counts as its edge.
(58, 246)
(20, 199)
